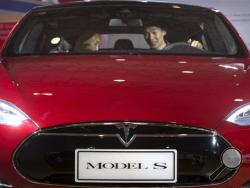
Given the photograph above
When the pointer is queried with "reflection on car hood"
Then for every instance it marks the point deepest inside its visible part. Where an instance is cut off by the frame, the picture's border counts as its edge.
(198, 91)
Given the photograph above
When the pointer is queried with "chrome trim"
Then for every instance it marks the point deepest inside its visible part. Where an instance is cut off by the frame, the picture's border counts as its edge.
(173, 125)
(124, 138)
(137, 135)
(126, 143)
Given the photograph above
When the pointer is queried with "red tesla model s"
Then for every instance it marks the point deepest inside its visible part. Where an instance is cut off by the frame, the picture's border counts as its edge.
(124, 94)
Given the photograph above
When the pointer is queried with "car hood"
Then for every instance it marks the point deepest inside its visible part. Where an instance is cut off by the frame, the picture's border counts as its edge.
(197, 91)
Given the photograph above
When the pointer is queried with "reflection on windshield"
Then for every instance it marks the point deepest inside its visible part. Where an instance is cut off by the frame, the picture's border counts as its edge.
(124, 29)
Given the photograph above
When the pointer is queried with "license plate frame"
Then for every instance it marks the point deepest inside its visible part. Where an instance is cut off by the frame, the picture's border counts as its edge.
(125, 166)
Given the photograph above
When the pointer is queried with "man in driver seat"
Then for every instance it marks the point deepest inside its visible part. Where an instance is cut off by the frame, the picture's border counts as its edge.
(155, 37)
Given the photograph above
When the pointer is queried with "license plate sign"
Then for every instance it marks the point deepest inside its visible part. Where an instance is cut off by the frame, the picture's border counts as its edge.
(126, 166)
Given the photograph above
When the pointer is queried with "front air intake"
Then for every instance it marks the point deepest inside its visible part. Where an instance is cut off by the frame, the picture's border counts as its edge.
(48, 156)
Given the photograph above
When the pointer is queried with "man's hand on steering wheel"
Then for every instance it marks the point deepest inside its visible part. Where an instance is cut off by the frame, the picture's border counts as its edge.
(195, 43)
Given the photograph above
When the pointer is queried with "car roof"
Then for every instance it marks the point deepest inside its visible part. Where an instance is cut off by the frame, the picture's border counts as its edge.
(122, 2)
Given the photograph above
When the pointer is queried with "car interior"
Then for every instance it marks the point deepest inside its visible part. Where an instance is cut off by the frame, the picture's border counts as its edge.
(122, 31)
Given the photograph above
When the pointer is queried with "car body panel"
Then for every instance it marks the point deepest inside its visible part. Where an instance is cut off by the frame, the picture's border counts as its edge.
(83, 88)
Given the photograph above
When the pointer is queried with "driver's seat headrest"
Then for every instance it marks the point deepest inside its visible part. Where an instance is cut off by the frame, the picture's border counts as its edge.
(123, 44)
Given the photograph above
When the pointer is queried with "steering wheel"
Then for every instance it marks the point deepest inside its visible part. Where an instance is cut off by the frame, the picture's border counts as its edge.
(183, 47)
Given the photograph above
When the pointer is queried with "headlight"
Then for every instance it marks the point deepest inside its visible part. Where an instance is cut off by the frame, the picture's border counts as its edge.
(240, 116)
(11, 115)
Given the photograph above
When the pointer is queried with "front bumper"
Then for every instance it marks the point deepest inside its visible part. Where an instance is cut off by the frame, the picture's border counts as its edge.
(46, 159)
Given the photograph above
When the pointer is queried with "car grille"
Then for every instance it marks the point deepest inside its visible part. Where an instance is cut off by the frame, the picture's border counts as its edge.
(48, 155)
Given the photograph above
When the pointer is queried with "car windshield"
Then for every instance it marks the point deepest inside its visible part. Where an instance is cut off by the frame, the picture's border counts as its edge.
(125, 29)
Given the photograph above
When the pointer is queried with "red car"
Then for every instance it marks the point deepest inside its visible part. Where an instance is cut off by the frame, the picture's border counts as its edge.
(124, 94)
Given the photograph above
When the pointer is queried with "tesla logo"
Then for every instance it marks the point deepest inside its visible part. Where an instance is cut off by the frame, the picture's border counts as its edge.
(126, 137)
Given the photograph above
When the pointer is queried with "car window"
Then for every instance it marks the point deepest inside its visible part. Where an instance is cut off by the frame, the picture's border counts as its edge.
(123, 29)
